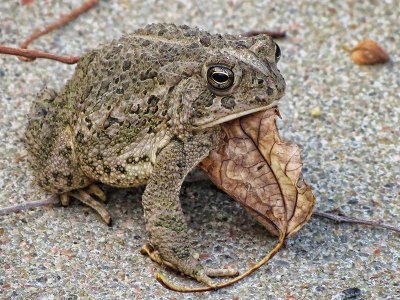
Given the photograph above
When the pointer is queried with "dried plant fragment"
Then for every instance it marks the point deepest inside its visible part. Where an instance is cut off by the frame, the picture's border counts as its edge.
(368, 52)
(261, 172)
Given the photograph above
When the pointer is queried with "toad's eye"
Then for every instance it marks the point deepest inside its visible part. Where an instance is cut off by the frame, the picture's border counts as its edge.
(277, 53)
(220, 77)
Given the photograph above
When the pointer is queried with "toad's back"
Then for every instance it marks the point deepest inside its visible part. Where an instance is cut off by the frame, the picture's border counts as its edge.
(126, 101)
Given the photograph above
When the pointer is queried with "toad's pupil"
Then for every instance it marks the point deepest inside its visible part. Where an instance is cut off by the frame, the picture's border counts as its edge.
(220, 77)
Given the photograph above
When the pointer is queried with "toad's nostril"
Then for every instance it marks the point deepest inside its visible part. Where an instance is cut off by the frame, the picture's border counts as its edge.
(270, 91)
(260, 81)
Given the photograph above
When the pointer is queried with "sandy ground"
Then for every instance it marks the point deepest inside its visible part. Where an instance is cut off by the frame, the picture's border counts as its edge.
(351, 152)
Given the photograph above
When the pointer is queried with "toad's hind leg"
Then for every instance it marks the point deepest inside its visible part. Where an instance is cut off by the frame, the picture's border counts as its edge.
(165, 221)
(50, 143)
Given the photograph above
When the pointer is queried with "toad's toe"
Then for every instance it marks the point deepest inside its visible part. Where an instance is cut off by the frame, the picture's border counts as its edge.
(84, 196)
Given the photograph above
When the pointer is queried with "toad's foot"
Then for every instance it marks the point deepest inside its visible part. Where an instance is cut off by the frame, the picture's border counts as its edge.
(147, 249)
(85, 196)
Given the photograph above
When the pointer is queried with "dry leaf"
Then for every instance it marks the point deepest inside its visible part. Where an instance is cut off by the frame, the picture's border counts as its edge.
(260, 171)
(368, 52)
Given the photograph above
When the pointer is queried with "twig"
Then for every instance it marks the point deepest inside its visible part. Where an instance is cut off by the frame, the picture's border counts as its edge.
(32, 54)
(64, 19)
(28, 205)
(341, 218)
(273, 34)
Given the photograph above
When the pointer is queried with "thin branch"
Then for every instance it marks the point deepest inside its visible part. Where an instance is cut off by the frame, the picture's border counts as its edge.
(273, 34)
(63, 20)
(341, 218)
(32, 54)
(54, 200)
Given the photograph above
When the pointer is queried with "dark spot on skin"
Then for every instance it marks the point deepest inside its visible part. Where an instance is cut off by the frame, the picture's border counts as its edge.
(79, 136)
(99, 156)
(198, 114)
(270, 91)
(129, 160)
(205, 41)
(181, 164)
(69, 178)
(121, 169)
(162, 32)
(111, 120)
(126, 65)
(117, 49)
(161, 80)
(145, 43)
(107, 169)
(151, 129)
(152, 74)
(153, 100)
(228, 102)
(55, 175)
(183, 254)
(259, 168)
(209, 100)
(148, 74)
(41, 112)
(66, 151)
(116, 80)
(103, 87)
(258, 99)
(240, 44)
(122, 77)
(260, 81)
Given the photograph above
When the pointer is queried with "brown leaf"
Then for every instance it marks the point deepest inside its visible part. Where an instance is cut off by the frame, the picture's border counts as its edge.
(260, 171)
(368, 52)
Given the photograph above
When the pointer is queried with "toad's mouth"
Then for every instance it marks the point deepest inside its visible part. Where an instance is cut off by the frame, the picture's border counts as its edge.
(233, 116)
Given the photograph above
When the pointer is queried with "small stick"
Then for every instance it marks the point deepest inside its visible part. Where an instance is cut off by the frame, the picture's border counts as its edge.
(341, 218)
(63, 20)
(28, 205)
(32, 54)
(273, 34)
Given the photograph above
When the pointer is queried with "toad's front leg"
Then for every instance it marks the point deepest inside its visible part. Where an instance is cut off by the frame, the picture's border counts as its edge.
(165, 222)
